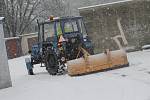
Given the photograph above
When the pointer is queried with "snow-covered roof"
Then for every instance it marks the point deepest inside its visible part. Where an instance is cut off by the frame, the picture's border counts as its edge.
(30, 34)
(146, 47)
(1, 18)
(11, 38)
(106, 4)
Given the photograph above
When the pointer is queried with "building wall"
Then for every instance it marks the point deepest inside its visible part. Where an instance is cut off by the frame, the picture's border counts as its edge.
(19, 46)
(27, 41)
(101, 23)
(13, 47)
(5, 80)
(74, 4)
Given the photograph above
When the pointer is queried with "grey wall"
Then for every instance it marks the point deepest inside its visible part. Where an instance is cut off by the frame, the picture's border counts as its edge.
(74, 4)
(5, 80)
(101, 23)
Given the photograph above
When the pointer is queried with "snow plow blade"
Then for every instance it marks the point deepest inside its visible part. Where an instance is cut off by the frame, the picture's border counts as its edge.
(98, 62)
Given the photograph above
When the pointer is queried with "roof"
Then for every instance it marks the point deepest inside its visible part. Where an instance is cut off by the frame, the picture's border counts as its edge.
(11, 38)
(103, 5)
(30, 34)
(1, 19)
(62, 18)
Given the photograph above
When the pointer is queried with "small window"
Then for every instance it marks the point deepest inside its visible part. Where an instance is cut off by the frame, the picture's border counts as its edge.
(59, 30)
(48, 30)
(82, 27)
(71, 27)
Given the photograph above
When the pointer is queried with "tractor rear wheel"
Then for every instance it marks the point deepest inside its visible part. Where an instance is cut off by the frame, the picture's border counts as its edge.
(52, 64)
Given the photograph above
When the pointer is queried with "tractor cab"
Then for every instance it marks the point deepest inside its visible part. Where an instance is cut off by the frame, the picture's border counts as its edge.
(62, 29)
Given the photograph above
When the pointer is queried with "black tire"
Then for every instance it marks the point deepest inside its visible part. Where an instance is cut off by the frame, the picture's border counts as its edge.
(52, 64)
(91, 51)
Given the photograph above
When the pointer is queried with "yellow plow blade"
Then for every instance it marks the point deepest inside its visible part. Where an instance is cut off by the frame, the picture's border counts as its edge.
(98, 62)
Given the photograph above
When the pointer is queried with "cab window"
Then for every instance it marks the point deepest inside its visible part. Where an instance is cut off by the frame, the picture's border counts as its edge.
(59, 30)
(48, 30)
(70, 26)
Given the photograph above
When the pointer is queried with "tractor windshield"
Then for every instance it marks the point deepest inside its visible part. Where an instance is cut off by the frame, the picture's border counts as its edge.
(63, 26)
(70, 26)
(58, 28)
(75, 26)
(48, 30)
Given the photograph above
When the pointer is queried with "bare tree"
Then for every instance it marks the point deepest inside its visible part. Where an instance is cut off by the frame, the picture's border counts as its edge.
(56, 8)
(20, 14)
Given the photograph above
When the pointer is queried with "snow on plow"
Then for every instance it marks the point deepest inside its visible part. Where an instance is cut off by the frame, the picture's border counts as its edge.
(98, 62)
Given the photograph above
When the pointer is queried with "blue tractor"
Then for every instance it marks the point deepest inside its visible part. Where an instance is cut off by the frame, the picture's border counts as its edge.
(59, 40)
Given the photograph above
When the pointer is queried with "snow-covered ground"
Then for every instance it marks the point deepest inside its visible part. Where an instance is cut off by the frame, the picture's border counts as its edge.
(130, 83)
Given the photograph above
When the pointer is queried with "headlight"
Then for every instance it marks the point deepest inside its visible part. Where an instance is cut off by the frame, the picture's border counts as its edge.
(85, 39)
